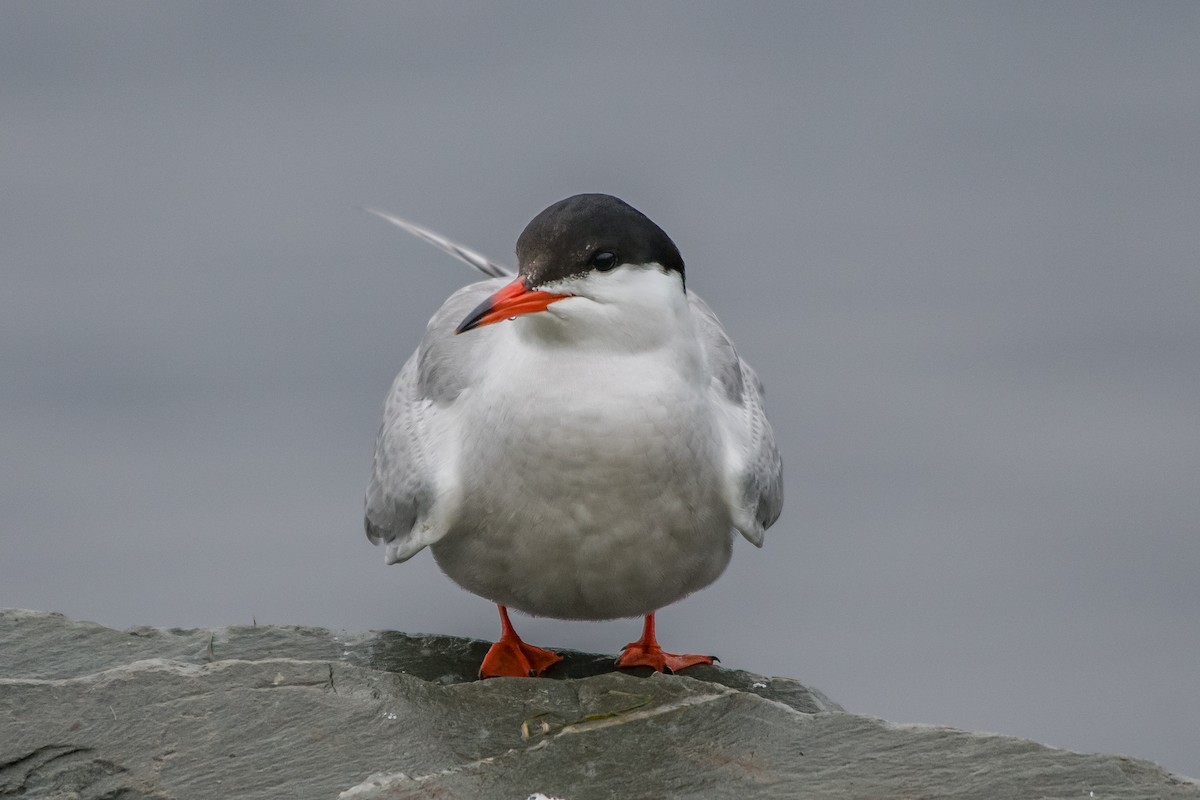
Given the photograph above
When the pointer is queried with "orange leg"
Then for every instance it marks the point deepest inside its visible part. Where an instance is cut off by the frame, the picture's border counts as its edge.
(645, 652)
(512, 658)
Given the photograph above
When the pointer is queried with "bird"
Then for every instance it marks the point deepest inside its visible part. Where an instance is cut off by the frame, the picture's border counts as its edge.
(578, 441)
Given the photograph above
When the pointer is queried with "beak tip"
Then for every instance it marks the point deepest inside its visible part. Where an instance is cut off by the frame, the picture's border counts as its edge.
(475, 318)
(509, 302)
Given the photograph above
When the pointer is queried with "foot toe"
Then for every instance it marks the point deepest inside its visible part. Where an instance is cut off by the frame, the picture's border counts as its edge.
(516, 660)
(658, 659)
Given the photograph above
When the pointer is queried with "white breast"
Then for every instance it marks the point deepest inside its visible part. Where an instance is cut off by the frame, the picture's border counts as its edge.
(590, 477)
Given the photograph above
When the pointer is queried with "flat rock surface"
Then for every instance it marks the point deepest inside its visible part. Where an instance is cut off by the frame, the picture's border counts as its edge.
(274, 712)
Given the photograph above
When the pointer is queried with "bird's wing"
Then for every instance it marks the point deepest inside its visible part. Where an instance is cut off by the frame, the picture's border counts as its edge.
(411, 492)
(754, 469)
(461, 252)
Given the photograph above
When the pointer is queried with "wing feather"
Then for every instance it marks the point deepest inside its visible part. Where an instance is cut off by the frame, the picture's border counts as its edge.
(459, 251)
(755, 469)
(407, 496)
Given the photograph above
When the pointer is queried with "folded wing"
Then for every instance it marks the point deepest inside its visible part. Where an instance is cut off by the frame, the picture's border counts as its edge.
(412, 490)
(754, 470)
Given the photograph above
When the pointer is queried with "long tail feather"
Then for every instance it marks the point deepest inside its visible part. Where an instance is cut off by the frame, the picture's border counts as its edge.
(464, 254)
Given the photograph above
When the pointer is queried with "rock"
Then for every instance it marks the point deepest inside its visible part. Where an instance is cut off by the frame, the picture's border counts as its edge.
(270, 712)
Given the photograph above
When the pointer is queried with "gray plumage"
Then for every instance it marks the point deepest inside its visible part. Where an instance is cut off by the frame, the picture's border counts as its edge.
(586, 472)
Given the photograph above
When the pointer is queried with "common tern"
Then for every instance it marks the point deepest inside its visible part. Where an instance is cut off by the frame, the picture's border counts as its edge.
(579, 441)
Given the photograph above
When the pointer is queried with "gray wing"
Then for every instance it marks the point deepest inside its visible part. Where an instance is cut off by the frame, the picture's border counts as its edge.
(459, 251)
(406, 497)
(756, 469)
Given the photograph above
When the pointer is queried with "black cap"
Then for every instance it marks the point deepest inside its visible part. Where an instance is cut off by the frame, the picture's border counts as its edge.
(575, 236)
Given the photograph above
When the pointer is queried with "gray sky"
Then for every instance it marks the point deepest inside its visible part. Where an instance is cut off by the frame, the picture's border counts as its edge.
(959, 242)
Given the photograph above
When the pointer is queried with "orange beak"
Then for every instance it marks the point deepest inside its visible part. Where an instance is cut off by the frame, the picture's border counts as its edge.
(513, 300)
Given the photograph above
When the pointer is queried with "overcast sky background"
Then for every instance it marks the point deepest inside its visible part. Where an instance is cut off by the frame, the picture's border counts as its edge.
(959, 242)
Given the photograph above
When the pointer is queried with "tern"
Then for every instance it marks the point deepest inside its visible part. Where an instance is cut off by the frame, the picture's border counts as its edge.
(580, 441)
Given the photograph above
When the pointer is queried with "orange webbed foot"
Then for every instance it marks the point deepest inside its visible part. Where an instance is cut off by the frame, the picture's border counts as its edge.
(512, 658)
(659, 659)
(516, 660)
(646, 652)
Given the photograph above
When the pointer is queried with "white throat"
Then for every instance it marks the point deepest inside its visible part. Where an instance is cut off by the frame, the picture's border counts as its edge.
(591, 420)
(632, 309)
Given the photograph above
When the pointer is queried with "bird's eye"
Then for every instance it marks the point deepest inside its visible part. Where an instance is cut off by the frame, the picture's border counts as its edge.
(604, 260)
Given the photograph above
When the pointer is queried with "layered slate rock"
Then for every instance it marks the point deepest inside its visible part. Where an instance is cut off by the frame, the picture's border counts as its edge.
(269, 712)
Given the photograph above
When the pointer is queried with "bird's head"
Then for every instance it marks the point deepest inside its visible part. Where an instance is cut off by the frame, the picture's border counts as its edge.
(589, 258)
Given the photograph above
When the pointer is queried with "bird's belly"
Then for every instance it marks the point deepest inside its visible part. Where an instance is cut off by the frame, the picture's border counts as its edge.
(601, 508)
